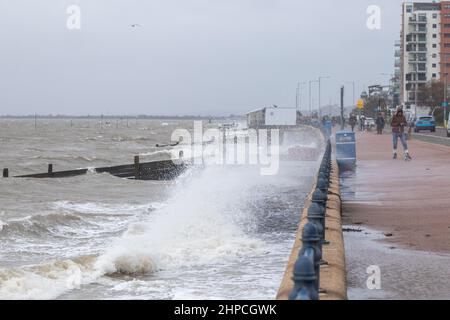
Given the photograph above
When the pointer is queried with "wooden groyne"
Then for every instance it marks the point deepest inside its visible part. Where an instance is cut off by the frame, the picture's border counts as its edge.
(155, 170)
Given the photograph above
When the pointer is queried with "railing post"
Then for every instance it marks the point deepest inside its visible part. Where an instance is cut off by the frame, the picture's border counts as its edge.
(319, 197)
(304, 281)
(316, 215)
(311, 247)
(137, 174)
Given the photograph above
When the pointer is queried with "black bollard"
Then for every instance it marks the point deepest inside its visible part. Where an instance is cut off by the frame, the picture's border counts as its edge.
(316, 215)
(304, 281)
(5, 173)
(323, 184)
(319, 197)
(311, 248)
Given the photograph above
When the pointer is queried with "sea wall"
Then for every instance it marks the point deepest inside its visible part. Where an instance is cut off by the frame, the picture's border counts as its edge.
(333, 273)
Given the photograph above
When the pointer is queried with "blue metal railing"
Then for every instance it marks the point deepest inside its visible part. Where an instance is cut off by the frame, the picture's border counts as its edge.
(307, 268)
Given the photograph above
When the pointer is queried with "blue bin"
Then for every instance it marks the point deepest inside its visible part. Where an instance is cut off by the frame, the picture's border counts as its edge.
(346, 148)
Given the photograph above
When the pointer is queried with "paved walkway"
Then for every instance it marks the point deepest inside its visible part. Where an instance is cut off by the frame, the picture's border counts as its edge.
(410, 200)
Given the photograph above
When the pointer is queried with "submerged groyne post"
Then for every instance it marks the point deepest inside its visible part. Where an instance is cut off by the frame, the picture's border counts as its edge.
(5, 173)
(304, 281)
(50, 169)
(137, 174)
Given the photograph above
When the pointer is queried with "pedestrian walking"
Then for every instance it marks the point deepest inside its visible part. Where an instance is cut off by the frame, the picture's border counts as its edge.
(352, 121)
(380, 123)
(362, 123)
(398, 124)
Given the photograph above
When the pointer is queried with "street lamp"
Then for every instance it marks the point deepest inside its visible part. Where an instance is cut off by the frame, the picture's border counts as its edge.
(320, 79)
(298, 101)
(353, 84)
(445, 103)
(310, 101)
(391, 79)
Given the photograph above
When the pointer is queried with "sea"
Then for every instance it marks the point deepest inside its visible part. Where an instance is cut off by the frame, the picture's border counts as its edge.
(215, 232)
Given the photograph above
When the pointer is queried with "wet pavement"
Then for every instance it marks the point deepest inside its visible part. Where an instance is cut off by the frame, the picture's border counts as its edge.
(404, 274)
(397, 217)
(406, 199)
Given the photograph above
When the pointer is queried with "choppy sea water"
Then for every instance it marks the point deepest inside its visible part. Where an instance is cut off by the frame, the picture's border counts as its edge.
(223, 232)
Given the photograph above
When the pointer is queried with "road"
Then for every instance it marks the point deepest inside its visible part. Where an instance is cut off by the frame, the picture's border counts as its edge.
(438, 137)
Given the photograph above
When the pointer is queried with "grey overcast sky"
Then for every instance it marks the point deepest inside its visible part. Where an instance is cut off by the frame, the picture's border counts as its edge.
(189, 56)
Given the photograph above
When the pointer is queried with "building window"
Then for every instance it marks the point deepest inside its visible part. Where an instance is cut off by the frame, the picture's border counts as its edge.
(447, 25)
(409, 8)
(434, 65)
(434, 75)
(434, 45)
(434, 36)
(446, 45)
(434, 26)
(434, 55)
(435, 16)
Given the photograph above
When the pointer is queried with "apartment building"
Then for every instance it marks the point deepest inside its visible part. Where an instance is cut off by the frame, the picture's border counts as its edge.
(420, 47)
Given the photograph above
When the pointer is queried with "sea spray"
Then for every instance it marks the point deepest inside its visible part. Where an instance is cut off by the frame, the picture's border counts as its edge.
(202, 222)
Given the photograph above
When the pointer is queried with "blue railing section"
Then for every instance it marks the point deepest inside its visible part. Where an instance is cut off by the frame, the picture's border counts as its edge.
(307, 267)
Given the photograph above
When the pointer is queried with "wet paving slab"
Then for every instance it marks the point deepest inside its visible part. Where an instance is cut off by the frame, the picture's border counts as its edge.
(396, 221)
(404, 274)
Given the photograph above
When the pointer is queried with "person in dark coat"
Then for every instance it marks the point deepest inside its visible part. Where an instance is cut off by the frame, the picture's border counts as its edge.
(362, 123)
(380, 123)
(398, 125)
(352, 121)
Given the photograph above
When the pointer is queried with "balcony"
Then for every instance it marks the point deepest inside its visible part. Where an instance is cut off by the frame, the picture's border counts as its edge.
(418, 31)
(414, 20)
(416, 49)
(415, 71)
(417, 59)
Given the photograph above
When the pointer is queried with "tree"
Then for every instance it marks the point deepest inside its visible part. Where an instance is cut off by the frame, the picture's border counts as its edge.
(432, 95)
(373, 104)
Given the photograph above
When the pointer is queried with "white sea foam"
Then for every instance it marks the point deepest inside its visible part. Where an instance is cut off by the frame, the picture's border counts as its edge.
(45, 281)
(101, 208)
(201, 223)
(204, 222)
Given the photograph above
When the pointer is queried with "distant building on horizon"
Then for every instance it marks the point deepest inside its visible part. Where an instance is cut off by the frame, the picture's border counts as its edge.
(424, 49)
(272, 117)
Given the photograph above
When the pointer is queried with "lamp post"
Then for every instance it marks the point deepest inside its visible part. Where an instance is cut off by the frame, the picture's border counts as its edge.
(310, 97)
(445, 104)
(320, 81)
(353, 85)
(298, 101)
(391, 78)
